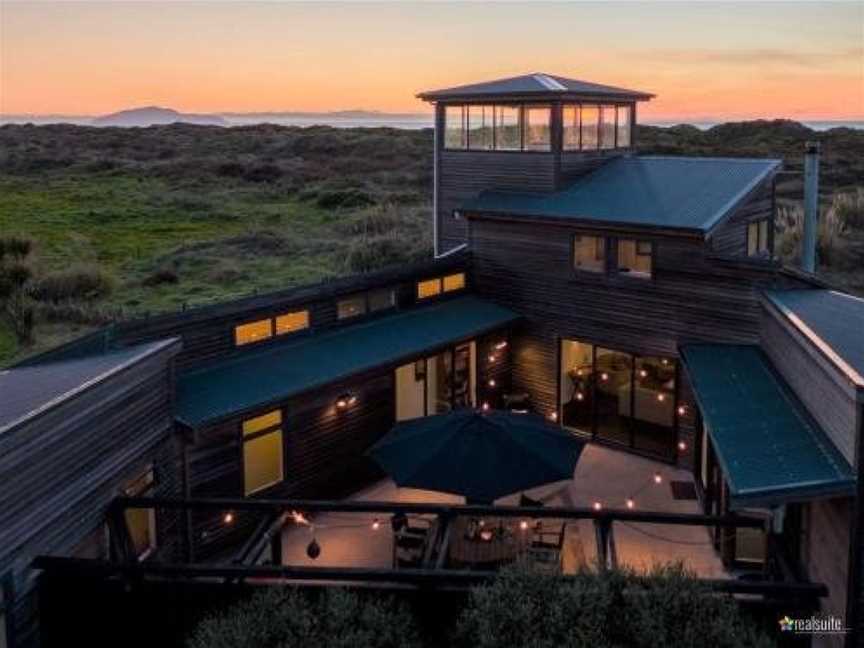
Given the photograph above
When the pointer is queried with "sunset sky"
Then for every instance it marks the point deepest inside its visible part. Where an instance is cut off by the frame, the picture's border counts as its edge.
(705, 60)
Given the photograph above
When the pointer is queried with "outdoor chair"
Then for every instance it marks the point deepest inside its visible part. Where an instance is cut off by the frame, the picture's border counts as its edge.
(411, 537)
(544, 552)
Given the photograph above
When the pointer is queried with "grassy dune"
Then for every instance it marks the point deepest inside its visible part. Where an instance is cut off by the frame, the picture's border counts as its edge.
(181, 215)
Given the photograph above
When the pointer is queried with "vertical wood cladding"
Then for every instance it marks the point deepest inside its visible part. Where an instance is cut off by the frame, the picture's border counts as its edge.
(730, 237)
(826, 392)
(208, 332)
(527, 266)
(827, 525)
(61, 469)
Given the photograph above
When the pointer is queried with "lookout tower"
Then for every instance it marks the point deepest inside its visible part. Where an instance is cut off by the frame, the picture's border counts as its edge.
(535, 132)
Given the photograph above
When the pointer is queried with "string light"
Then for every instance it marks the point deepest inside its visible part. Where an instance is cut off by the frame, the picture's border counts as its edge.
(643, 373)
(485, 407)
(299, 518)
(553, 416)
(658, 478)
(604, 376)
(228, 518)
(661, 397)
(682, 446)
(491, 382)
(345, 400)
(630, 503)
(523, 525)
(682, 410)
(501, 345)
(491, 357)
(597, 506)
(376, 524)
(580, 396)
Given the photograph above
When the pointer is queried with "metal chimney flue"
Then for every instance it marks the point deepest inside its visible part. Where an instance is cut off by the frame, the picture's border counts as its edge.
(811, 206)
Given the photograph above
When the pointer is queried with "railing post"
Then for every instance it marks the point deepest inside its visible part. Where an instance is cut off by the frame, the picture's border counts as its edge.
(601, 531)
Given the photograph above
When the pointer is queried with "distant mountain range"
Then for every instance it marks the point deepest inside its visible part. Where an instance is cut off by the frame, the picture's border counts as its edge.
(157, 116)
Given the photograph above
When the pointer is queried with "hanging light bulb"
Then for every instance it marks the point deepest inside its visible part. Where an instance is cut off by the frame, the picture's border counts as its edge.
(553, 416)
(491, 357)
(580, 396)
(597, 506)
(491, 382)
(228, 518)
(299, 518)
(313, 549)
(658, 478)
(682, 446)
(485, 407)
(661, 397)
(523, 525)
(643, 373)
(376, 524)
(682, 410)
(604, 376)
(630, 503)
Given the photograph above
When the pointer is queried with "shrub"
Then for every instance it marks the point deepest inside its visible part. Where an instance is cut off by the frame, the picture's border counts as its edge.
(289, 618)
(668, 607)
(161, 276)
(344, 199)
(790, 234)
(15, 246)
(83, 282)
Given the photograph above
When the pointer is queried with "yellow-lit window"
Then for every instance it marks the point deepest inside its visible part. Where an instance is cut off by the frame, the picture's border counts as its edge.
(253, 331)
(262, 452)
(290, 322)
(454, 282)
(141, 522)
(428, 288)
(263, 422)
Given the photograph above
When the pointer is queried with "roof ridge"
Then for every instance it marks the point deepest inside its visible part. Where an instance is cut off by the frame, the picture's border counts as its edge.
(702, 158)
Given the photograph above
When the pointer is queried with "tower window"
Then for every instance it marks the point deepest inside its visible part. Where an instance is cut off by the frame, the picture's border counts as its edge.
(537, 131)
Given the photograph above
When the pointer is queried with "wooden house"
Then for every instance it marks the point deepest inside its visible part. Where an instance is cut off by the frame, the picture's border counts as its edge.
(636, 300)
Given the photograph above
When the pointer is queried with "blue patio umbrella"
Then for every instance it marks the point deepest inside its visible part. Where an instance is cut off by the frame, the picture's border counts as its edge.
(481, 455)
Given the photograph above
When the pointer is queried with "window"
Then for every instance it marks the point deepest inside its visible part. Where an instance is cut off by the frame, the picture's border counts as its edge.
(570, 117)
(634, 258)
(428, 288)
(757, 237)
(589, 253)
(290, 322)
(253, 332)
(454, 127)
(454, 282)
(607, 127)
(353, 306)
(537, 131)
(480, 128)
(590, 127)
(622, 140)
(381, 300)
(141, 522)
(262, 452)
(508, 134)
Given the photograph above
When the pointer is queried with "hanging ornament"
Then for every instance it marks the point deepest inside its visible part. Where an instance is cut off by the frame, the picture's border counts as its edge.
(313, 549)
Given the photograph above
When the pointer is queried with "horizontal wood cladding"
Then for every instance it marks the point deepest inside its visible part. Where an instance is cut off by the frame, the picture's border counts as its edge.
(61, 469)
(828, 394)
(730, 237)
(826, 555)
(208, 332)
(462, 175)
(691, 297)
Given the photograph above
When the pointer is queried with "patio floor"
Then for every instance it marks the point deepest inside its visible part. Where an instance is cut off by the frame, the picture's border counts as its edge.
(602, 475)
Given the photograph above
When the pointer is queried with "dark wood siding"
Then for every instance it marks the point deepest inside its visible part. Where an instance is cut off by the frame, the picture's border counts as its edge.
(323, 447)
(729, 238)
(826, 392)
(208, 332)
(691, 297)
(61, 468)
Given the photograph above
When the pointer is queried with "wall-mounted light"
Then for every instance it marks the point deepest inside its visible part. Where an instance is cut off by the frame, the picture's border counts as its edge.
(485, 407)
(553, 416)
(658, 478)
(492, 357)
(228, 518)
(491, 382)
(597, 506)
(682, 410)
(501, 345)
(661, 397)
(682, 446)
(630, 503)
(376, 524)
(346, 400)
(580, 396)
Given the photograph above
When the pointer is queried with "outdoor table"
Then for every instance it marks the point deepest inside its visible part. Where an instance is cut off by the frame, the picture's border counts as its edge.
(507, 542)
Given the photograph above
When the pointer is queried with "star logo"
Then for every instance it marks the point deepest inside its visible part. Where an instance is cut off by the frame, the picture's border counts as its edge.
(786, 624)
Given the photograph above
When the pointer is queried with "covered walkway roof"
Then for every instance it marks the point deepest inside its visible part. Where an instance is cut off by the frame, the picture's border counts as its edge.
(769, 447)
(253, 378)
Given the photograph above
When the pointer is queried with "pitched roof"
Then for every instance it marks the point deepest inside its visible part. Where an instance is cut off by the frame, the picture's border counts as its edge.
(831, 320)
(688, 193)
(28, 391)
(256, 378)
(770, 448)
(539, 84)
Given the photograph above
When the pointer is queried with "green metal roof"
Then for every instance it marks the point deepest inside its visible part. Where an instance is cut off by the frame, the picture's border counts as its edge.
(770, 449)
(539, 84)
(833, 321)
(257, 377)
(687, 193)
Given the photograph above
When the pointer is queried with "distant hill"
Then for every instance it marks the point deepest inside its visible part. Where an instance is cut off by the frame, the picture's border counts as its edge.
(156, 116)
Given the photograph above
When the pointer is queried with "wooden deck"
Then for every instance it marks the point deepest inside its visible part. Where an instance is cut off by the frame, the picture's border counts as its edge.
(603, 475)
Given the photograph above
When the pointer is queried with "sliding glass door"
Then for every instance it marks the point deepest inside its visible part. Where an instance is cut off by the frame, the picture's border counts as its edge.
(619, 397)
(437, 384)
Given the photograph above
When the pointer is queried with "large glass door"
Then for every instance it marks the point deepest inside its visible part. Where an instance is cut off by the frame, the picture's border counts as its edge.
(437, 384)
(619, 397)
